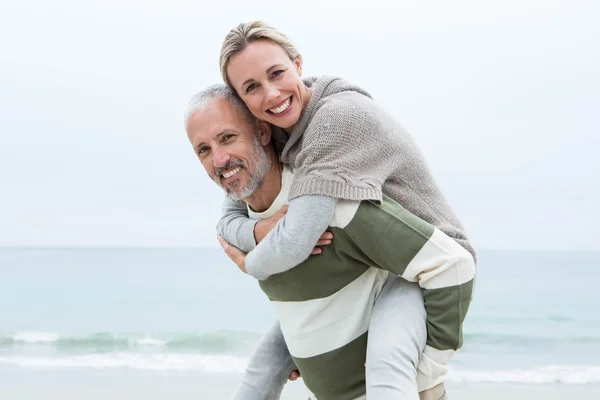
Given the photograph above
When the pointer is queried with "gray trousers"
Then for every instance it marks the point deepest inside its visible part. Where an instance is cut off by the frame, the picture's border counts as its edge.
(397, 336)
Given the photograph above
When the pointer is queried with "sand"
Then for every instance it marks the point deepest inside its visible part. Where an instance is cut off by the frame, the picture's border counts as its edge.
(121, 385)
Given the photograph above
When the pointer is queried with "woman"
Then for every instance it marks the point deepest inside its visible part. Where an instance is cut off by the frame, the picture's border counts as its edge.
(341, 145)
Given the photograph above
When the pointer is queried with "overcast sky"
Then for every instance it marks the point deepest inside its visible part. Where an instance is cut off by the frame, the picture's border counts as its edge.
(503, 100)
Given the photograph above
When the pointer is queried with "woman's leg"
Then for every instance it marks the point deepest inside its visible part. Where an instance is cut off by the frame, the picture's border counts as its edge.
(397, 336)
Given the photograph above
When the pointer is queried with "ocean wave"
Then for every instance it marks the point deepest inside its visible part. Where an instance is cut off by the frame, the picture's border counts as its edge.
(550, 374)
(32, 337)
(136, 361)
(525, 340)
(520, 320)
(235, 341)
(214, 341)
(563, 374)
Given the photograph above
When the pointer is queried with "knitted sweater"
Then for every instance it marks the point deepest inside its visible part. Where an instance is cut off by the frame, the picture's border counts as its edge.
(343, 146)
(346, 146)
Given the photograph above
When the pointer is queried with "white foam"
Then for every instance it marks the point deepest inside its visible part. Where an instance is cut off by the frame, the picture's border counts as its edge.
(565, 374)
(157, 362)
(36, 337)
(147, 342)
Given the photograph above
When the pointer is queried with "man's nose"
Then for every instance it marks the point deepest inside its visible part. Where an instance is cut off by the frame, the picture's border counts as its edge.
(220, 158)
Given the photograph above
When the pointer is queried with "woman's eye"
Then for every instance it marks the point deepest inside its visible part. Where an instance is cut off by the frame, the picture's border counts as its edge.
(277, 73)
(250, 87)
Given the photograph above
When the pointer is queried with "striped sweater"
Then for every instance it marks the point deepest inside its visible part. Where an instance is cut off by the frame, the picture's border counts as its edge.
(324, 304)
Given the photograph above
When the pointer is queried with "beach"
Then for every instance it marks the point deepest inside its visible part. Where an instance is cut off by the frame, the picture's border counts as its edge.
(126, 385)
(127, 323)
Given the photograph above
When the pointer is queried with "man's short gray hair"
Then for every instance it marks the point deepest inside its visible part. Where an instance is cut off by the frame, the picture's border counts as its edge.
(210, 95)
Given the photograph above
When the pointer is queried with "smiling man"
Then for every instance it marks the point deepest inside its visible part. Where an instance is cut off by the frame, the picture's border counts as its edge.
(234, 133)
(348, 304)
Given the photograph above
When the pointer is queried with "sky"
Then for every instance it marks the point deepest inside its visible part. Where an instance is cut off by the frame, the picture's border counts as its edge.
(502, 97)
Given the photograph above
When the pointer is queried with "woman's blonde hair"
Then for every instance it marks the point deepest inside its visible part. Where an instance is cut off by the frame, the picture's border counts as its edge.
(242, 35)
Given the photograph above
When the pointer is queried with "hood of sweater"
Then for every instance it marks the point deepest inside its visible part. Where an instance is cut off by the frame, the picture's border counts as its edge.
(322, 87)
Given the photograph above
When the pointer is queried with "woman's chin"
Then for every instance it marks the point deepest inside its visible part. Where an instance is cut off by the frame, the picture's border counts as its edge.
(286, 122)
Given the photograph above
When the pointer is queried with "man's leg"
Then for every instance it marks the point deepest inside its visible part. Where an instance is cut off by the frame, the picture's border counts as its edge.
(397, 337)
(268, 369)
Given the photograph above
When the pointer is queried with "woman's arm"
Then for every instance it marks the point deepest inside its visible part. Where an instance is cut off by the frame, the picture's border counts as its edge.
(293, 238)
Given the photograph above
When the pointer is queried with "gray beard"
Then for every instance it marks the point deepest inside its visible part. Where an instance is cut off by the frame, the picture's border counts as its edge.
(262, 164)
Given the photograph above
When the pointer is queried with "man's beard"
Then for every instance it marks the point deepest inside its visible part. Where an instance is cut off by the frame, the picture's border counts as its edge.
(261, 163)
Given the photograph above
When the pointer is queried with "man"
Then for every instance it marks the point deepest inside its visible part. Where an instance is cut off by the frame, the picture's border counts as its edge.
(328, 303)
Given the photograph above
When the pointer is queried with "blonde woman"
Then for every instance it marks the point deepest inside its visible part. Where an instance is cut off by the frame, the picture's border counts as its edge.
(341, 146)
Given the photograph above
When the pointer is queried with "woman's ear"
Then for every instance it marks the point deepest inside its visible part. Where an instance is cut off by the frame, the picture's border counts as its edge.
(298, 63)
(264, 132)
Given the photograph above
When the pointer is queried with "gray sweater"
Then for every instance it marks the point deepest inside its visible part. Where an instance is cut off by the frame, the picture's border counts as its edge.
(344, 146)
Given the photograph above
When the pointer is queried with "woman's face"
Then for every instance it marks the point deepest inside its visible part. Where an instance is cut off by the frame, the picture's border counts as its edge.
(269, 83)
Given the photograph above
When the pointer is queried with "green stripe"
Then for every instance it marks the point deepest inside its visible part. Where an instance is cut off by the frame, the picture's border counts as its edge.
(338, 374)
(388, 235)
(444, 325)
(320, 275)
(384, 236)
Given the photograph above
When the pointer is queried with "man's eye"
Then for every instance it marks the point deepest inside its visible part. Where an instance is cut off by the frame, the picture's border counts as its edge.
(227, 137)
(202, 150)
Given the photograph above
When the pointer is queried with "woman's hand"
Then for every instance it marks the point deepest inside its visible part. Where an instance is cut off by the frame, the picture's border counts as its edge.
(235, 254)
(263, 227)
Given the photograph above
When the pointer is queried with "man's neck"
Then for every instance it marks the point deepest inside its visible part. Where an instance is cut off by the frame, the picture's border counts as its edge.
(268, 190)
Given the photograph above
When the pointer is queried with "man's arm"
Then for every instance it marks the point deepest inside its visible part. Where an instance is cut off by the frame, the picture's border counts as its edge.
(268, 369)
(235, 226)
(395, 240)
(293, 238)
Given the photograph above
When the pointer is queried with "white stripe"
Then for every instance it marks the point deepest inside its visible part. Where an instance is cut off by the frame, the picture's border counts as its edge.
(313, 397)
(442, 262)
(287, 177)
(433, 367)
(317, 326)
(344, 212)
(439, 356)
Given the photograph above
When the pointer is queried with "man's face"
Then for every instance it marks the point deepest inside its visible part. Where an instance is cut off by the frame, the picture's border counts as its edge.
(229, 150)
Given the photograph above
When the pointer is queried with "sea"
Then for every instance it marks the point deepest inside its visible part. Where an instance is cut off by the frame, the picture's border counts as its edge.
(535, 316)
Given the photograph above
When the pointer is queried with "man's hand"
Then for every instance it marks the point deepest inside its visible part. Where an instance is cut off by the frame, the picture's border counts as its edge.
(236, 255)
(263, 227)
(324, 240)
(294, 375)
